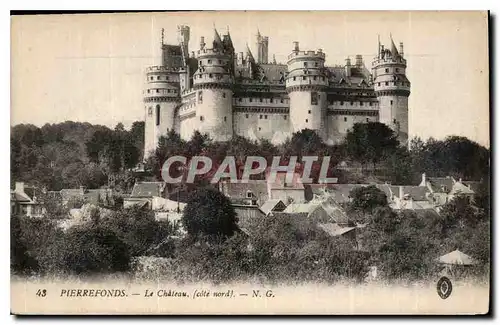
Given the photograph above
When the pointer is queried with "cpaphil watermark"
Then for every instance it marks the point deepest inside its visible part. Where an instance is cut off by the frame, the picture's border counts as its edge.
(187, 171)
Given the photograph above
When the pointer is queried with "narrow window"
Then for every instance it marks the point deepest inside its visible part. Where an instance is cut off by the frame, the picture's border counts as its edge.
(305, 64)
(200, 97)
(342, 103)
(303, 77)
(265, 117)
(210, 75)
(260, 117)
(282, 101)
(314, 98)
(315, 64)
(157, 90)
(371, 104)
(209, 61)
(360, 103)
(225, 119)
(309, 112)
(148, 91)
(391, 102)
(260, 128)
(379, 84)
(157, 114)
(367, 119)
(284, 117)
(387, 83)
(314, 77)
(220, 61)
(345, 119)
(386, 70)
(397, 69)
(223, 95)
(352, 103)
(250, 100)
(246, 115)
(158, 78)
(201, 118)
(307, 120)
(261, 100)
(240, 99)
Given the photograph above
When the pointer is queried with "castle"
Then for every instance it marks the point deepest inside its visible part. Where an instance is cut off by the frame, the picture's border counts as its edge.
(223, 93)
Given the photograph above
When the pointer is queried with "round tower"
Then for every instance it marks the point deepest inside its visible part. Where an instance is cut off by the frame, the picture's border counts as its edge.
(214, 96)
(306, 85)
(392, 89)
(161, 97)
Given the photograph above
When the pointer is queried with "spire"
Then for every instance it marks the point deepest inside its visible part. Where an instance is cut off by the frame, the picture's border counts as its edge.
(217, 40)
(249, 54)
(394, 50)
(162, 36)
(274, 59)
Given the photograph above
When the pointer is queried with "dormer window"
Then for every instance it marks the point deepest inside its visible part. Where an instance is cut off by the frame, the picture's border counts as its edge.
(209, 61)
(249, 194)
(305, 64)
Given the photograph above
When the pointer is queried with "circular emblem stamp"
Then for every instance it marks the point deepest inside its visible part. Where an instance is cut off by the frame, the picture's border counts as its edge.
(444, 287)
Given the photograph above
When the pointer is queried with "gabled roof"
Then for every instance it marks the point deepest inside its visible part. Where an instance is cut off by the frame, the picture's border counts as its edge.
(270, 205)
(147, 189)
(438, 184)
(334, 230)
(457, 258)
(416, 193)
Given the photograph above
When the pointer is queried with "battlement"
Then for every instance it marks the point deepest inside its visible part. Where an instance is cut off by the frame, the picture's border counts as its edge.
(210, 52)
(399, 60)
(309, 54)
(161, 68)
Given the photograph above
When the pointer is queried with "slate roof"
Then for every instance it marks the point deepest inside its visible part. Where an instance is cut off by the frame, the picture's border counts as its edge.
(437, 183)
(334, 229)
(416, 193)
(269, 205)
(147, 189)
(258, 188)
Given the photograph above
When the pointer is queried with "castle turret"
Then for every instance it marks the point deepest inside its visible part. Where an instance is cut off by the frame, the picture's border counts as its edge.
(161, 95)
(214, 97)
(262, 48)
(306, 85)
(392, 89)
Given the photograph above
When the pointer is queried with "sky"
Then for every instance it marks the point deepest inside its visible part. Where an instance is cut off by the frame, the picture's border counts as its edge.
(90, 68)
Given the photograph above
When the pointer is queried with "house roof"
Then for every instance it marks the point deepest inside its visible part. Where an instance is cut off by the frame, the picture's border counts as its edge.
(280, 182)
(459, 188)
(333, 229)
(416, 193)
(474, 185)
(269, 205)
(258, 188)
(19, 197)
(439, 184)
(335, 212)
(147, 189)
(457, 258)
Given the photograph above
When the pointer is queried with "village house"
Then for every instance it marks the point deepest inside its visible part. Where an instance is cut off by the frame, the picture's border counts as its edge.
(24, 200)
(82, 195)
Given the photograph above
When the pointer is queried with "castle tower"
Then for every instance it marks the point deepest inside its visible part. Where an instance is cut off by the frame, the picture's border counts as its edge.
(306, 85)
(214, 96)
(262, 48)
(161, 96)
(392, 89)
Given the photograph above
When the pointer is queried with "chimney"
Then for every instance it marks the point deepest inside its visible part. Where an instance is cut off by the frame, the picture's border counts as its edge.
(401, 192)
(19, 187)
(359, 60)
(424, 180)
(296, 46)
(348, 67)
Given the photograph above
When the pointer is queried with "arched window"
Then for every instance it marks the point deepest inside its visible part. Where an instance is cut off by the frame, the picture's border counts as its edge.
(157, 114)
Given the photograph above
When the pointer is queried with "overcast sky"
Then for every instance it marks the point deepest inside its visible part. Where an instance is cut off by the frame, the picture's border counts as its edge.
(90, 67)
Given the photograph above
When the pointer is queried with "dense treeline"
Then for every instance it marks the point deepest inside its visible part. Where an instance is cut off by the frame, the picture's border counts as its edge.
(70, 154)
(371, 146)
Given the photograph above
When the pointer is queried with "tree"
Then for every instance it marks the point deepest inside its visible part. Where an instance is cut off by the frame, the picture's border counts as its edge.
(370, 142)
(88, 250)
(367, 198)
(303, 143)
(209, 212)
(134, 226)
